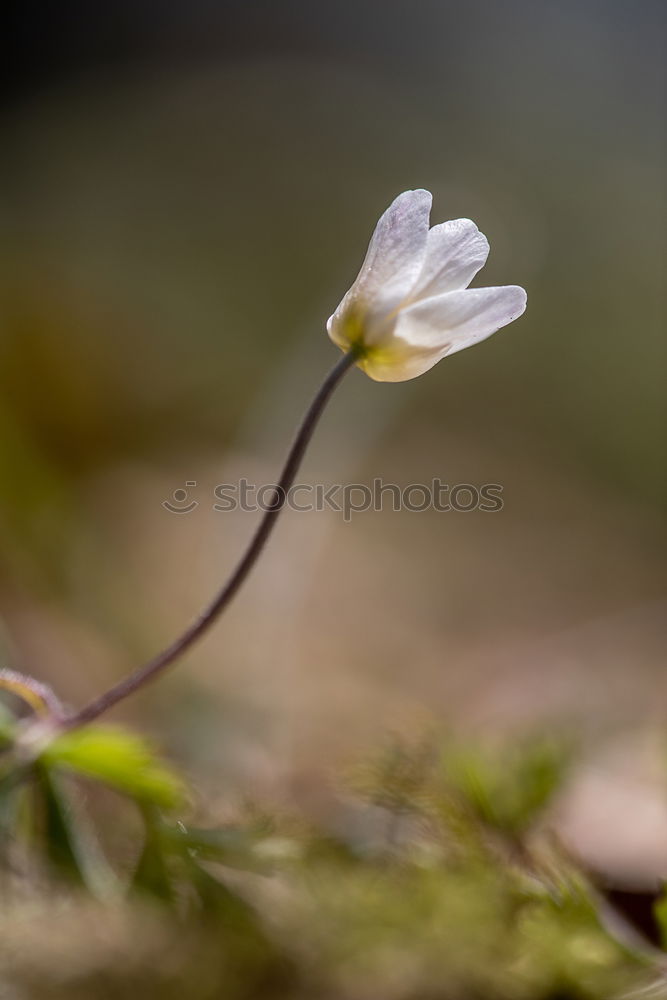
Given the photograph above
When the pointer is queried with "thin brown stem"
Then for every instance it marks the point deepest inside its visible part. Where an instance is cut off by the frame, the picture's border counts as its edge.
(155, 667)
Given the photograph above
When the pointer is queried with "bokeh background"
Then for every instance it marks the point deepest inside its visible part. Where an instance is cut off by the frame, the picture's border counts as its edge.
(187, 191)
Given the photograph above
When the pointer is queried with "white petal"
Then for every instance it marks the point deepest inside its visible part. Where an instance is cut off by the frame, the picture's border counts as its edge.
(400, 361)
(455, 252)
(459, 319)
(394, 257)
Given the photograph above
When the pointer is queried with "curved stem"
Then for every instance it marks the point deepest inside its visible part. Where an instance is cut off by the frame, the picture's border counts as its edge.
(212, 612)
(38, 696)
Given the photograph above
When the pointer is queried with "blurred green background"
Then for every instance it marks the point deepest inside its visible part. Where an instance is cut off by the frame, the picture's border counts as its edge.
(187, 191)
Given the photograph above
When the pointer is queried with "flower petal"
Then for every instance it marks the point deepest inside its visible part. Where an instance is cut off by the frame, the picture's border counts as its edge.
(455, 252)
(459, 319)
(400, 361)
(394, 258)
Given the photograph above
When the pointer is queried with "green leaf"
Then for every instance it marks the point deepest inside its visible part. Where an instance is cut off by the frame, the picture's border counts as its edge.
(118, 758)
(153, 876)
(232, 847)
(69, 845)
(660, 913)
(7, 727)
(217, 898)
(12, 790)
(508, 789)
(60, 841)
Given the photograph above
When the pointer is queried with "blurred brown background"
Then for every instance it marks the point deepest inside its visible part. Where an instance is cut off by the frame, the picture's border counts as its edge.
(187, 191)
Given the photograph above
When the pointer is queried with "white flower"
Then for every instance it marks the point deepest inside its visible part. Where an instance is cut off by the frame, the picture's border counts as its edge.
(410, 304)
